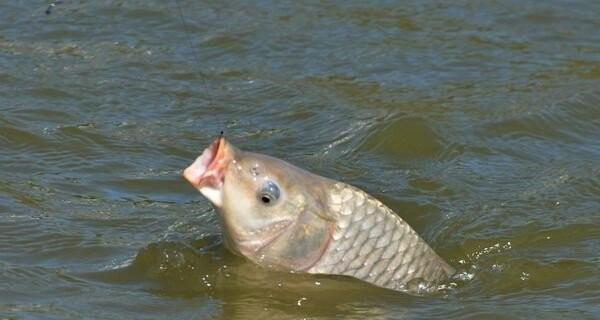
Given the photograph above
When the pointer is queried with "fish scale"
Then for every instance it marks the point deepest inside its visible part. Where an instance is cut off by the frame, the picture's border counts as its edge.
(370, 242)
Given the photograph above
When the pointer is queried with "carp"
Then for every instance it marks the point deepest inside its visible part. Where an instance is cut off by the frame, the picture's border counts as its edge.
(283, 217)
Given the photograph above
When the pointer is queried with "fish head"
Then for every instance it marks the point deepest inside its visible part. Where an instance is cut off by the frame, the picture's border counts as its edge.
(270, 210)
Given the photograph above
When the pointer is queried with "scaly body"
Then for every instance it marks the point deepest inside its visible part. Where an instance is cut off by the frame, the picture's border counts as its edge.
(370, 242)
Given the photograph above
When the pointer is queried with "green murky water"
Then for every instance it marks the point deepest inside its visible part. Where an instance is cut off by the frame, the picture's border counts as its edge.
(479, 123)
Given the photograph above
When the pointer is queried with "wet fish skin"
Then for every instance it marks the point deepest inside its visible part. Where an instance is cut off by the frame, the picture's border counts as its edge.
(314, 224)
(370, 242)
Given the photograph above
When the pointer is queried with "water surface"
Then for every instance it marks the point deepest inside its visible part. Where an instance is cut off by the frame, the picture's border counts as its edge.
(479, 124)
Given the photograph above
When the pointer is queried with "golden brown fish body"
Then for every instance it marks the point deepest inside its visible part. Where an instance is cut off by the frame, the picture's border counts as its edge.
(280, 216)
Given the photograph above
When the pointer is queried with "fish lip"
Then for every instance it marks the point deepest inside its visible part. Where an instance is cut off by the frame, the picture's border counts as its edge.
(257, 241)
(208, 169)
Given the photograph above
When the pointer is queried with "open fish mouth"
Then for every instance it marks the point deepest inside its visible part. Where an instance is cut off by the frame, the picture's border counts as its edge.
(207, 173)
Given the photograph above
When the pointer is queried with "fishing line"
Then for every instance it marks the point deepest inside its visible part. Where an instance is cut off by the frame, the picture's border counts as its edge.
(187, 35)
(181, 16)
(194, 53)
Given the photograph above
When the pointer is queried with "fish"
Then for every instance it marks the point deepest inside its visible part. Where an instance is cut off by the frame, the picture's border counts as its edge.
(282, 217)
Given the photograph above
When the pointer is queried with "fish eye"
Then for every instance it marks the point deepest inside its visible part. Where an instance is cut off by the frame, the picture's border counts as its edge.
(269, 193)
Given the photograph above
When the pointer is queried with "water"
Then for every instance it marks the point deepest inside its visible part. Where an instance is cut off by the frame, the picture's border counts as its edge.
(479, 123)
